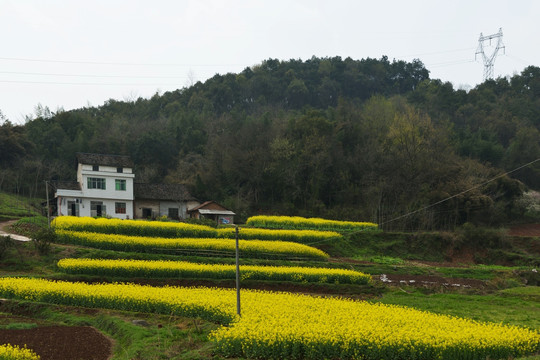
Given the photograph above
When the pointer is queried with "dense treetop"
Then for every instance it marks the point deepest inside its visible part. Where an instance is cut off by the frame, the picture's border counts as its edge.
(367, 139)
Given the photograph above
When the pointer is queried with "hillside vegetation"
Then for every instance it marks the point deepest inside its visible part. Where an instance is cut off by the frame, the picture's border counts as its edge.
(346, 139)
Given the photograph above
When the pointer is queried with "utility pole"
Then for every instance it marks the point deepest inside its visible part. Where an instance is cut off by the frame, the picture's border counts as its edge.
(237, 275)
(489, 60)
(48, 210)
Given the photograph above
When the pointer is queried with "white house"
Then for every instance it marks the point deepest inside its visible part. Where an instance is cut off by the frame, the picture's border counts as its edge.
(104, 187)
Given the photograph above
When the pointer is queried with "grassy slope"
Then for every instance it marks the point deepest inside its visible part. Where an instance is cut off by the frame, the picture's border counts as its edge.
(14, 207)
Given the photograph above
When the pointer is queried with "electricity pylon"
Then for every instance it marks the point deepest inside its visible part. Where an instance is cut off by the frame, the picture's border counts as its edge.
(489, 60)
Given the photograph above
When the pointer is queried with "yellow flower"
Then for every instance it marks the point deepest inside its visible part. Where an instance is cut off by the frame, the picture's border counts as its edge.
(13, 352)
(297, 222)
(175, 269)
(200, 246)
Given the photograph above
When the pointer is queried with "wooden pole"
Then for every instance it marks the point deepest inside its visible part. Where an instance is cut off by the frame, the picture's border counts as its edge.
(48, 209)
(237, 275)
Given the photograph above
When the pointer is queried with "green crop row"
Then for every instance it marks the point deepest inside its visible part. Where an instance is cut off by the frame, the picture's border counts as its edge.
(183, 269)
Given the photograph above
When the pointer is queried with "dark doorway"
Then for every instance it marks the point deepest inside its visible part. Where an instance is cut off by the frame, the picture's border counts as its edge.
(146, 213)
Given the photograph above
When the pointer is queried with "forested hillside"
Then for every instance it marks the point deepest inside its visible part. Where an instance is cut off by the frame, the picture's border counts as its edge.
(350, 139)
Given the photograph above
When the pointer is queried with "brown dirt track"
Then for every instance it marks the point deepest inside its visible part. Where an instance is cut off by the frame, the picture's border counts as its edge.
(61, 342)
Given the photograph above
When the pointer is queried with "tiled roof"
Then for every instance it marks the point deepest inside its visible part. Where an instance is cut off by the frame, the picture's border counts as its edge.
(105, 160)
(66, 185)
(172, 192)
(210, 205)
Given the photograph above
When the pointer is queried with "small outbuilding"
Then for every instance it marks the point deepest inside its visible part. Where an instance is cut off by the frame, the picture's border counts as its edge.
(214, 211)
(171, 200)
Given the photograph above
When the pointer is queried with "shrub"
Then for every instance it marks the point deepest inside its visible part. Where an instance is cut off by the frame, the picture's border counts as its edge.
(6, 242)
(480, 237)
(42, 240)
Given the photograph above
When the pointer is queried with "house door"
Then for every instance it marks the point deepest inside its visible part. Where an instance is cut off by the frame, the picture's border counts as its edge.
(97, 209)
(73, 209)
(146, 213)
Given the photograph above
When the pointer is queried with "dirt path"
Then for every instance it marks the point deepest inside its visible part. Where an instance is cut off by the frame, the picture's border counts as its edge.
(4, 226)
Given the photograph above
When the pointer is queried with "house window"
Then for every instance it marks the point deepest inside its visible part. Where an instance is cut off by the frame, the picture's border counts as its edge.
(96, 183)
(119, 170)
(120, 184)
(95, 167)
(173, 213)
(120, 207)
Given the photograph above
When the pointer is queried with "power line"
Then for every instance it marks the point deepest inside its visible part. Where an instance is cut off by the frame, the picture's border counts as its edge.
(85, 83)
(86, 62)
(436, 52)
(526, 62)
(450, 63)
(93, 76)
(461, 193)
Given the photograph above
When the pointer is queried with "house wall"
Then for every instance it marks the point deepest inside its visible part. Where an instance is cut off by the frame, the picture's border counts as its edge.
(148, 204)
(110, 174)
(161, 208)
(84, 207)
(192, 204)
(165, 205)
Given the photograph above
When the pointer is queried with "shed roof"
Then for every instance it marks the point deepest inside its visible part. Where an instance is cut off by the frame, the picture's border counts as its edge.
(212, 207)
(105, 160)
(173, 192)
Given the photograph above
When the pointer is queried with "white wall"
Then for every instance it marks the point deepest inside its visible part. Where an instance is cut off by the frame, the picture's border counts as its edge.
(85, 207)
(110, 174)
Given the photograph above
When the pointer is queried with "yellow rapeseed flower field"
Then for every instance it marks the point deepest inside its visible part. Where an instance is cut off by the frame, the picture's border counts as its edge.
(183, 269)
(294, 326)
(14, 352)
(179, 230)
(301, 236)
(133, 227)
(297, 222)
(201, 246)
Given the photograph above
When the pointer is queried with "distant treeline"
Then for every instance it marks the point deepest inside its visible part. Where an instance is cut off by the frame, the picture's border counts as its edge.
(367, 140)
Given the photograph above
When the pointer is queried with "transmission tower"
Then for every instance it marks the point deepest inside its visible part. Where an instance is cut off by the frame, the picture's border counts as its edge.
(489, 60)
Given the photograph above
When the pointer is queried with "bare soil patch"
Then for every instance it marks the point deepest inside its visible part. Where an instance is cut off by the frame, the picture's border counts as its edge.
(525, 230)
(61, 342)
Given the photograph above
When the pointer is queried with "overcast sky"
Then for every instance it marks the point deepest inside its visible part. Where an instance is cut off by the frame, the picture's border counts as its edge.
(71, 54)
